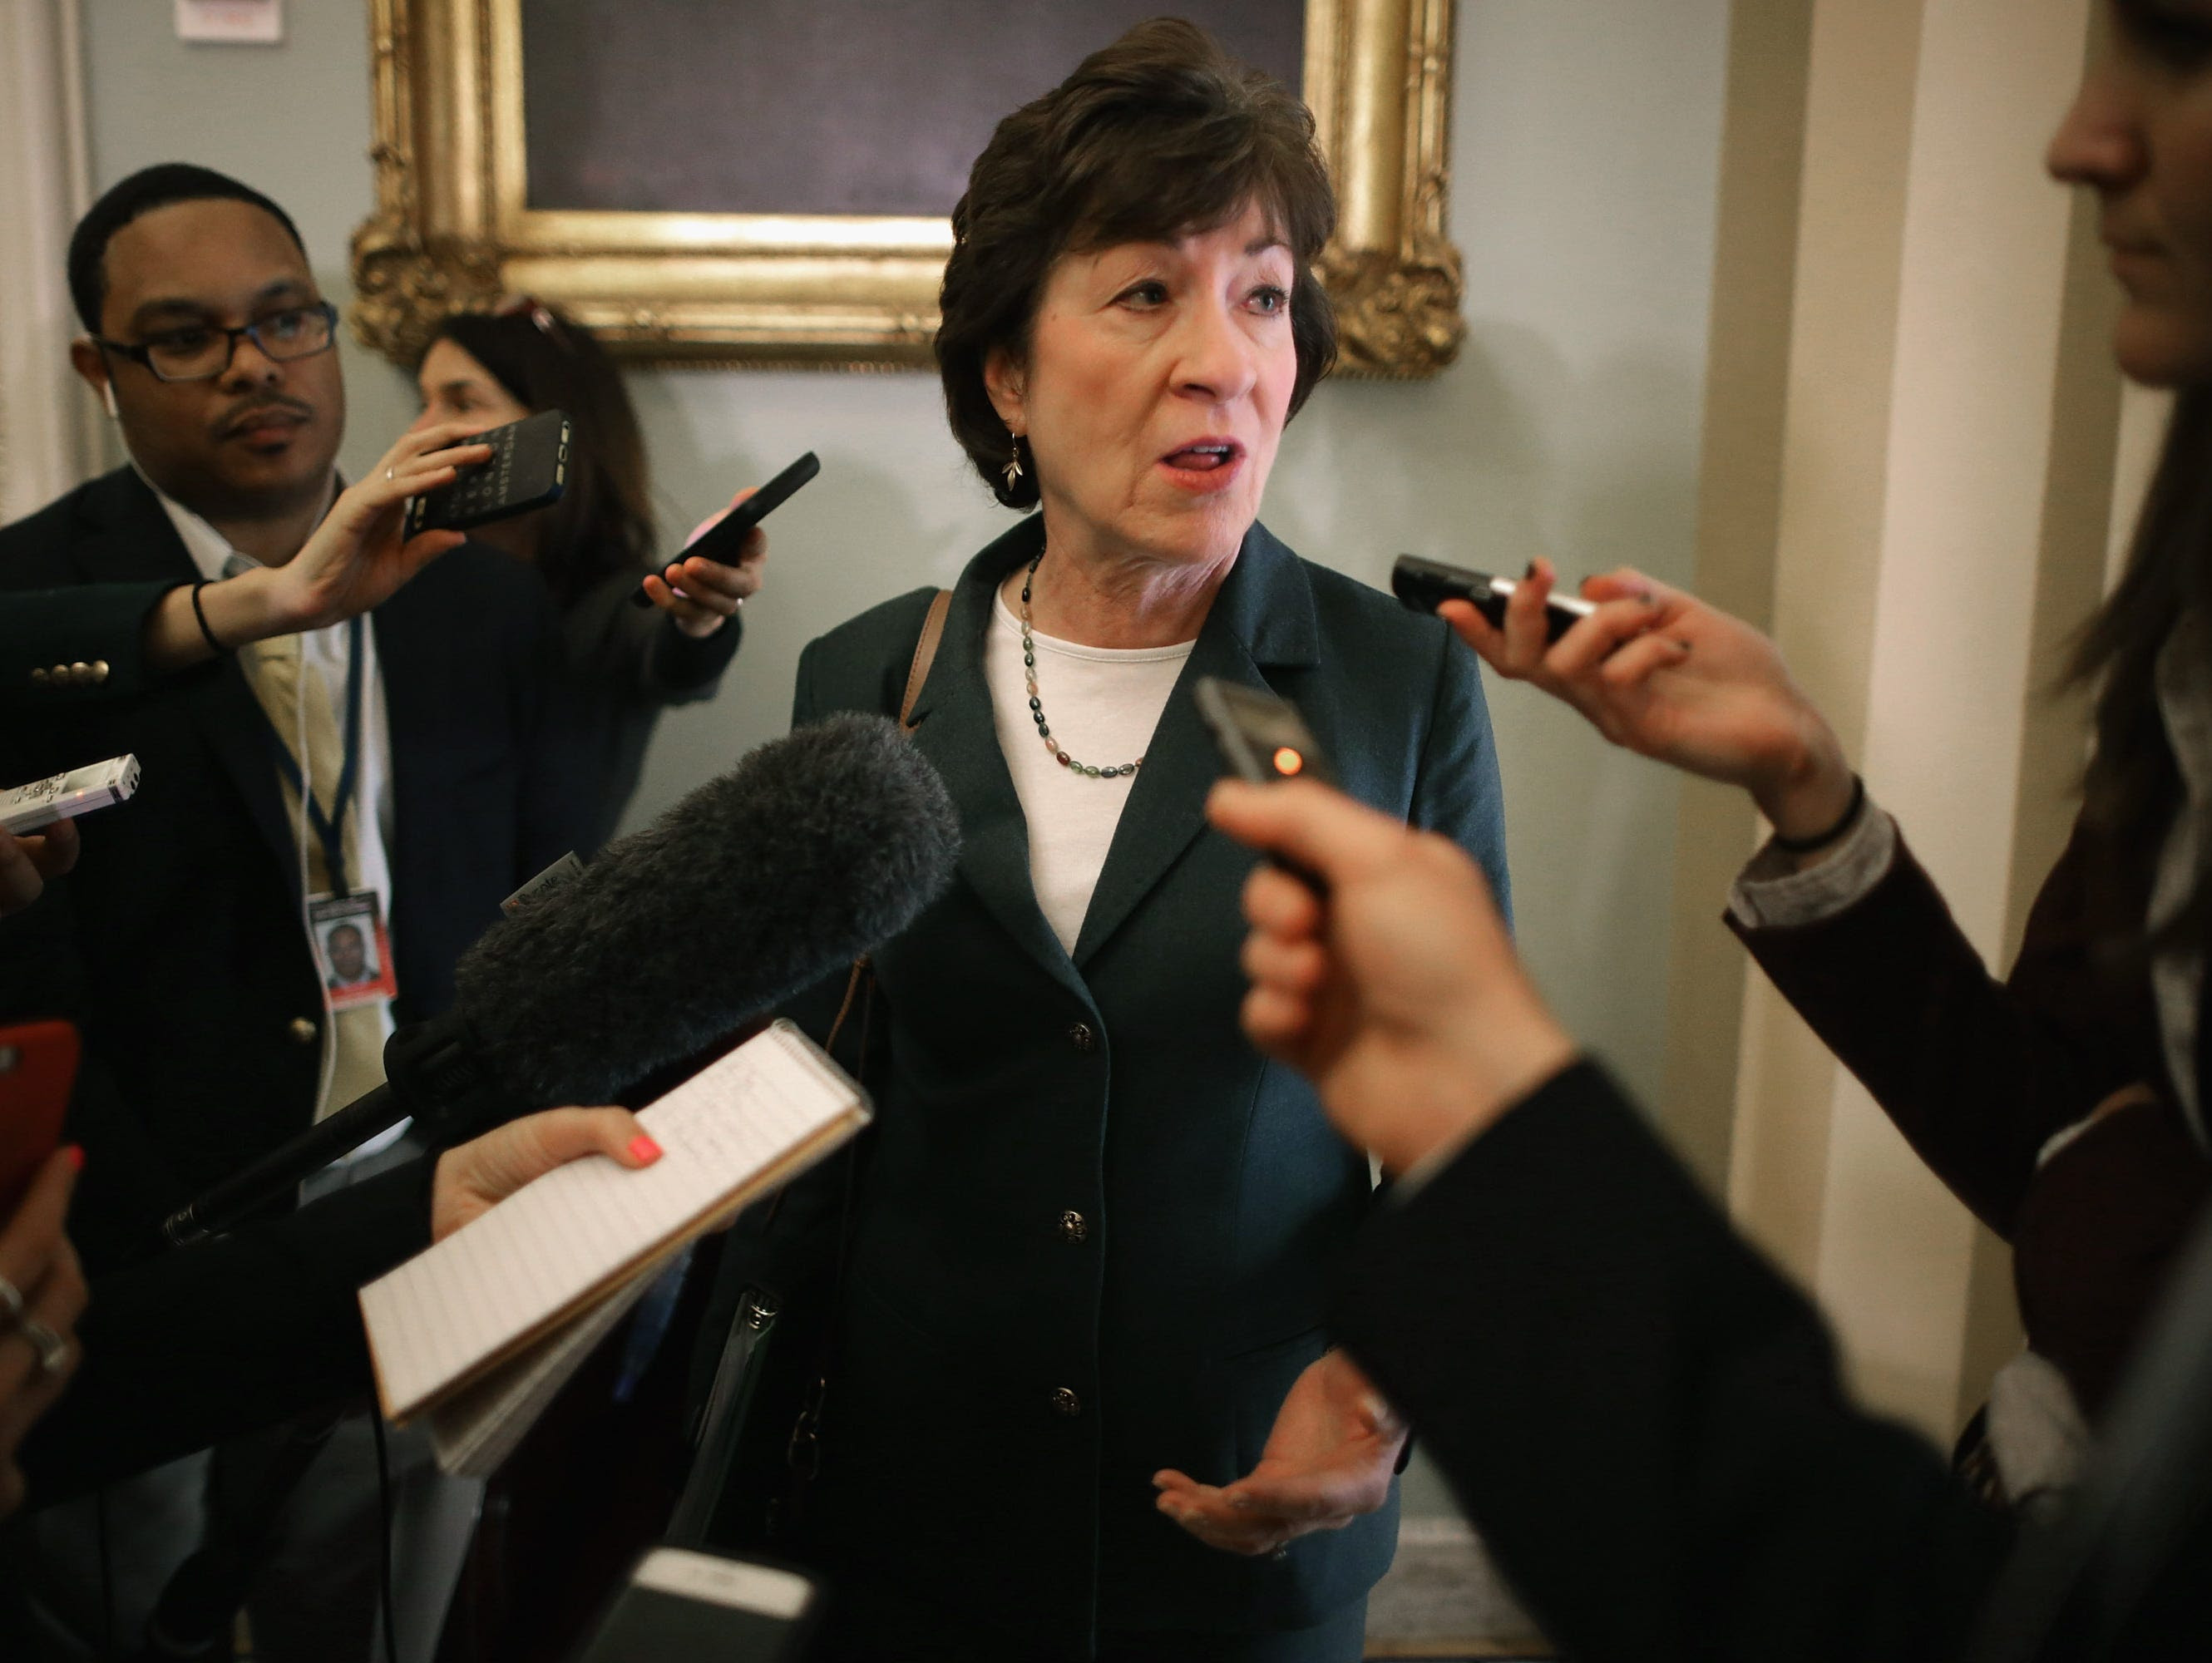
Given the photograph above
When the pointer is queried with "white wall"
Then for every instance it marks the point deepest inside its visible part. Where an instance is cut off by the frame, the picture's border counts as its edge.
(1586, 150)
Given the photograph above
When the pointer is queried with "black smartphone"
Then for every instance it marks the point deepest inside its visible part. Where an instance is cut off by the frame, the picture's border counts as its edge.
(1424, 585)
(1261, 738)
(679, 1604)
(724, 542)
(528, 468)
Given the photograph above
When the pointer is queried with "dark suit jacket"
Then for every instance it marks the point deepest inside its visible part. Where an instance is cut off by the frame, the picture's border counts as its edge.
(1980, 1074)
(177, 945)
(1023, 1084)
(1645, 1423)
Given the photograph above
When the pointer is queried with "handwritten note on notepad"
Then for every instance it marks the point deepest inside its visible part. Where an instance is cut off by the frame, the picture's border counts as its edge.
(740, 1128)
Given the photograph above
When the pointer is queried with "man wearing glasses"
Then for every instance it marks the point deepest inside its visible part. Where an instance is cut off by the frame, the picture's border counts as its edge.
(334, 729)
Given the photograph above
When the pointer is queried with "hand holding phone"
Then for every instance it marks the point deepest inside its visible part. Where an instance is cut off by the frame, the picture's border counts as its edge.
(724, 542)
(37, 1070)
(528, 468)
(1425, 584)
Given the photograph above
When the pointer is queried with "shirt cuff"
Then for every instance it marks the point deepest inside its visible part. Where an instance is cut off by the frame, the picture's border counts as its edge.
(1769, 895)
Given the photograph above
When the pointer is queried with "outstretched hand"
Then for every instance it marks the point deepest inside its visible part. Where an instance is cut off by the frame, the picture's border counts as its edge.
(357, 559)
(474, 1177)
(1328, 1460)
(1659, 672)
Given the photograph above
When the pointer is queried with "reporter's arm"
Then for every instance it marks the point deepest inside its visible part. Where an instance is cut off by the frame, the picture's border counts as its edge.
(1643, 1419)
(641, 654)
(250, 1328)
(106, 626)
(44, 1288)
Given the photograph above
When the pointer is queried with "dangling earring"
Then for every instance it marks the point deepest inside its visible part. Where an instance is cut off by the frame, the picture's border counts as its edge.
(1013, 468)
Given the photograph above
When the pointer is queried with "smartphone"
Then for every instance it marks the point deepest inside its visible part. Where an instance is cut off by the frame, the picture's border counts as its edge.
(1261, 738)
(25, 809)
(724, 542)
(528, 468)
(38, 1069)
(680, 1605)
(1424, 585)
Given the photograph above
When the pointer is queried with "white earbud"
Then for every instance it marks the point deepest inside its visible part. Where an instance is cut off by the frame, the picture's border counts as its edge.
(107, 397)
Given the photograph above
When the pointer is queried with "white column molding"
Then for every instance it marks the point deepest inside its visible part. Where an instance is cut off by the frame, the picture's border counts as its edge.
(1952, 434)
(48, 438)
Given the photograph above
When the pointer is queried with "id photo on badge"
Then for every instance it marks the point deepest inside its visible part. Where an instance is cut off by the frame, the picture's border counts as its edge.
(351, 950)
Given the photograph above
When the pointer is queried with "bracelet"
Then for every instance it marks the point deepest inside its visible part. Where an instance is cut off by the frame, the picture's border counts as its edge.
(1819, 840)
(198, 612)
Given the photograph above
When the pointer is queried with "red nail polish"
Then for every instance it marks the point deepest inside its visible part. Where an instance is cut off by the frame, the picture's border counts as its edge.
(642, 1148)
(76, 1153)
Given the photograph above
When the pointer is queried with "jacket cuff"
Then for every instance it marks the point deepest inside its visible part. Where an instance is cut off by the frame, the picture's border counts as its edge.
(684, 664)
(71, 645)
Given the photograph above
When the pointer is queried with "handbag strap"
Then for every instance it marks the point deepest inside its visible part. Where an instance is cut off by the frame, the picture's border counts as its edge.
(917, 676)
(925, 655)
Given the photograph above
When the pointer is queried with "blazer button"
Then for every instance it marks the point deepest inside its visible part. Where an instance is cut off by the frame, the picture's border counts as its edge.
(80, 672)
(1065, 1402)
(1082, 1038)
(99, 671)
(1073, 1229)
(39, 676)
(302, 1031)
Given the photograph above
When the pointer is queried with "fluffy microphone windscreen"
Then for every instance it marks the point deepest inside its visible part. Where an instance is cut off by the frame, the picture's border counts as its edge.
(815, 848)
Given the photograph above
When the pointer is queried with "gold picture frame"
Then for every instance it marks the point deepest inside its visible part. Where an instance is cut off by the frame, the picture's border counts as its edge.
(452, 228)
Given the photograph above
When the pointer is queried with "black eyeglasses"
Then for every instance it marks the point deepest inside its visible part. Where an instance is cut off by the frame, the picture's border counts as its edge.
(201, 352)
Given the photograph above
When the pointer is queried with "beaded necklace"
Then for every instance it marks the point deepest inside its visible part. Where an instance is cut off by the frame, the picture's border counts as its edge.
(1036, 708)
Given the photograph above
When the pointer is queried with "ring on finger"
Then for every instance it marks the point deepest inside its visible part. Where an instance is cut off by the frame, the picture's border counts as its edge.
(1281, 1553)
(11, 1302)
(53, 1351)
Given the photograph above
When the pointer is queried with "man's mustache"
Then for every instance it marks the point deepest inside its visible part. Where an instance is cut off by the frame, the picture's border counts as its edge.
(248, 415)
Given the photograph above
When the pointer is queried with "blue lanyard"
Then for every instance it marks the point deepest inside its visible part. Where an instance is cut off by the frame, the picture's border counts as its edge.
(329, 828)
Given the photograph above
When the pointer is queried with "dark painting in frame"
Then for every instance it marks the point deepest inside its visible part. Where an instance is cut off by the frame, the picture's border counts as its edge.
(766, 181)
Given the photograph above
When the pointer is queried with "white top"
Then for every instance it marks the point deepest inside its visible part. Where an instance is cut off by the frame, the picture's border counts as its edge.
(1104, 704)
(327, 650)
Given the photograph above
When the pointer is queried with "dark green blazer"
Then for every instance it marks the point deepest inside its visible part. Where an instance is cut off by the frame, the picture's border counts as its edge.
(1096, 1230)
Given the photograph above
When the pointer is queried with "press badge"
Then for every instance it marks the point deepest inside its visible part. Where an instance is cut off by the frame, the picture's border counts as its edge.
(352, 950)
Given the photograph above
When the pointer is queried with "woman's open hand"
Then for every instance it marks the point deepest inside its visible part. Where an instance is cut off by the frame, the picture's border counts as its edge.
(1328, 1460)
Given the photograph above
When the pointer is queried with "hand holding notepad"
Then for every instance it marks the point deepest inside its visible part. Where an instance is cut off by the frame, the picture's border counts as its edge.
(481, 1330)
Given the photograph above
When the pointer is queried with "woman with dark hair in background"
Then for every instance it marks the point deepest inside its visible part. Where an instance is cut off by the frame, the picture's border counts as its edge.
(595, 544)
(1090, 1235)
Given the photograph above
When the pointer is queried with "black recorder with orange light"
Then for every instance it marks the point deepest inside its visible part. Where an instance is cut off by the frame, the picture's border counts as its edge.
(1262, 737)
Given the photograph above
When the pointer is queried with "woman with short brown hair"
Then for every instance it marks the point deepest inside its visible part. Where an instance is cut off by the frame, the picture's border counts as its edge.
(1088, 1242)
